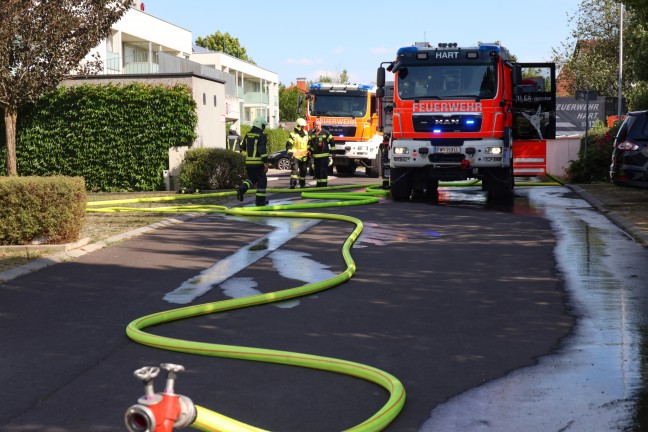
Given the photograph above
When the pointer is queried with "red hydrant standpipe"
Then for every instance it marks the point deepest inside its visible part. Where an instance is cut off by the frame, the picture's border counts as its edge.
(161, 412)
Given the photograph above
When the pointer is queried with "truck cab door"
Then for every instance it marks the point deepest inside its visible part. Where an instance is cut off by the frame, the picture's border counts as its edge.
(534, 101)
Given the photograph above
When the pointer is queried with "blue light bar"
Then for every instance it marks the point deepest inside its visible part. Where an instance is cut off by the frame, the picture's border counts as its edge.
(490, 48)
(470, 122)
(316, 86)
(436, 130)
(406, 50)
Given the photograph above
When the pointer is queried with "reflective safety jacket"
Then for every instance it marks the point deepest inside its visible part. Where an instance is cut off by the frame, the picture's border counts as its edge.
(255, 147)
(234, 142)
(319, 145)
(297, 144)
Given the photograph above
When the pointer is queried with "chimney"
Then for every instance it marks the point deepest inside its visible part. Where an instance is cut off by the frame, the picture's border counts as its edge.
(301, 85)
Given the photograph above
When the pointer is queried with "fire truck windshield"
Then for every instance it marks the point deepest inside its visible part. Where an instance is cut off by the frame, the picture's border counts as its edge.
(447, 81)
(338, 105)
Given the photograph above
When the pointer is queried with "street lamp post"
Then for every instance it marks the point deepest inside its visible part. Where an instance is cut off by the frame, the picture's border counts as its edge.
(620, 96)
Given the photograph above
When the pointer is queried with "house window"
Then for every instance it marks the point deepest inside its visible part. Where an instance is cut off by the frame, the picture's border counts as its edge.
(204, 98)
(215, 100)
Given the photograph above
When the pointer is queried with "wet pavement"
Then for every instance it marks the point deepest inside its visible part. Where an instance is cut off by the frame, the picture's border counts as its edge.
(590, 381)
(593, 382)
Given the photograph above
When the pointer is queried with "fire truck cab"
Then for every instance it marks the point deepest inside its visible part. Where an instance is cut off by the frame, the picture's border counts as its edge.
(459, 113)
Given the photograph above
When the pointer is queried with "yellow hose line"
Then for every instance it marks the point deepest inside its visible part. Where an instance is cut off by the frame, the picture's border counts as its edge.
(211, 421)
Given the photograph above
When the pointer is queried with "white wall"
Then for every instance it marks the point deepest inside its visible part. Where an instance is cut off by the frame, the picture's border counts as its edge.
(560, 152)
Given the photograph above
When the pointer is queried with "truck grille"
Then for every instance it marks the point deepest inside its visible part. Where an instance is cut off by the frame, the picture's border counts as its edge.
(446, 123)
(340, 132)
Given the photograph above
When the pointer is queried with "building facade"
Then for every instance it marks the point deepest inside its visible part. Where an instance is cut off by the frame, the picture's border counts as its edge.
(227, 90)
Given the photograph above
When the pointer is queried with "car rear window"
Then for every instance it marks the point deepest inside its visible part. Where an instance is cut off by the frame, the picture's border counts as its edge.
(638, 127)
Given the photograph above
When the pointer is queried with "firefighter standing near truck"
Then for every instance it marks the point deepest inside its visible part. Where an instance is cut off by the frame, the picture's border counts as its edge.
(297, 148)
(320, 142)
(234, 141)
(255, 149)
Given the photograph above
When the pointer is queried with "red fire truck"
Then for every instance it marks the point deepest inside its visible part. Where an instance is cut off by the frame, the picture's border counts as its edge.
(458, 113)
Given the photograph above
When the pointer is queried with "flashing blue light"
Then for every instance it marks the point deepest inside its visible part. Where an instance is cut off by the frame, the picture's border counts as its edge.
(436, 130)
(366, 87)
(316, 86)
(486, 47)
(406, 50)
(470, 122)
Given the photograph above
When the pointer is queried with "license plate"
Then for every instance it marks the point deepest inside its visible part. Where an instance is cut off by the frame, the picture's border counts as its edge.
(446, 149)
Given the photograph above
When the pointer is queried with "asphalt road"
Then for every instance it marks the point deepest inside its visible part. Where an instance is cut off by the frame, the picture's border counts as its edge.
(446, 297)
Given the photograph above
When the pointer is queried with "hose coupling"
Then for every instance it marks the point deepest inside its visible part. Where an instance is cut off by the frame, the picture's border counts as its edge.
(160, 412)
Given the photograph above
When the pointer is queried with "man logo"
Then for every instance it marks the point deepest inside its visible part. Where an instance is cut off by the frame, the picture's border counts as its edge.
(450, 121)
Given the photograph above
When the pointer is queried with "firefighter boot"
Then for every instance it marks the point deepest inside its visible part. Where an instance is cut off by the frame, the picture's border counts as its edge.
(293, 183)
(240, 191)
(302, 183)
(261, 201)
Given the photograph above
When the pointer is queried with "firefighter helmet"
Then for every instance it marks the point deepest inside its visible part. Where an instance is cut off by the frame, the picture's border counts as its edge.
(301, 122)
(260, 122)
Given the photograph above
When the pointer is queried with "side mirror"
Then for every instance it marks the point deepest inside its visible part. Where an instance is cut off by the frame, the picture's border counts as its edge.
(380, 92)
(300, 100)
(380, 78)
(517, 74)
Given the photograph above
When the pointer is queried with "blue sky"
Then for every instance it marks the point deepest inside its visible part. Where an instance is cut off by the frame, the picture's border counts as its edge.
(301, 39)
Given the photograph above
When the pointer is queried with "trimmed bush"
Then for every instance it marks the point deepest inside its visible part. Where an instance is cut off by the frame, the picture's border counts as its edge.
(41, 210)
(211, 169)
(593, 163)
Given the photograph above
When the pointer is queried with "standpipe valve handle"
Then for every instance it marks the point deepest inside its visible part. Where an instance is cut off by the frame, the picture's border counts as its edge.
(159, 412)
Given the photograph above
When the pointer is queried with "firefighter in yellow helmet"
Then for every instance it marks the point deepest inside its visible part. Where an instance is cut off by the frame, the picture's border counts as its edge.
(320, 143)
(255, 149)
(297, 148)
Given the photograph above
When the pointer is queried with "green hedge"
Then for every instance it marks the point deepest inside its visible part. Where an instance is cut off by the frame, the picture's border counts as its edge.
(593, 163)
(276, 137)
(116, 137)
(41, 209)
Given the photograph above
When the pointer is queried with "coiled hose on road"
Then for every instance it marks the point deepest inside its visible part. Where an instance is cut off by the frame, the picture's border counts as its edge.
(208, 420)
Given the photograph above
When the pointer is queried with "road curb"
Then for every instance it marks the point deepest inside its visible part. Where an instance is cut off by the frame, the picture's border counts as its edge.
(74, 250)
(628, 227)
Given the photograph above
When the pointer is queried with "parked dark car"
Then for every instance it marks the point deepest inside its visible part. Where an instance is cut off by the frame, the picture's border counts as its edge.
(630, 153)
(279, 160)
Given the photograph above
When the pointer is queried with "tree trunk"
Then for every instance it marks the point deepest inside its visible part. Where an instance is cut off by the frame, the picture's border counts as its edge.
(10, 117)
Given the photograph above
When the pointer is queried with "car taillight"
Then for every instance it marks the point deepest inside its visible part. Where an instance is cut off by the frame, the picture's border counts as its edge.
(627, 145)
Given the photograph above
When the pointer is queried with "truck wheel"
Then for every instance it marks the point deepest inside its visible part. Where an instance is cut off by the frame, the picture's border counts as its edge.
(375, 170)
(499, 183)
(401, 185)
(347, 170)
(432, 189)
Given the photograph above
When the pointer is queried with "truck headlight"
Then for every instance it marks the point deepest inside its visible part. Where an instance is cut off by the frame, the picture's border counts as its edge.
(494, 150)
(401, 150)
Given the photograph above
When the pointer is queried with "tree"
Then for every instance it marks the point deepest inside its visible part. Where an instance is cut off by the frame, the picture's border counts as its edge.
(339, 78)
(288, 98)
(225, 43)
(591, 57)
(40, 43)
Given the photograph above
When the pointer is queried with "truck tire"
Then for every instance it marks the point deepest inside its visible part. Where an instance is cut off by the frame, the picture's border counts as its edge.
(401, 185)
(375, 170)
(346, 170)
(432, 189)
(499, 183)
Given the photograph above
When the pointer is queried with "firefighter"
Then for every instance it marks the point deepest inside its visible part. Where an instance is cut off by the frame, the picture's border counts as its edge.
(319, 148)
(234, 140)
(254, 147)
(297, 148)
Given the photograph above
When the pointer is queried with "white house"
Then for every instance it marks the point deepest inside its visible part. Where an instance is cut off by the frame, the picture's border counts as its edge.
(256, 89)
(227, 90)
(142, 47)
